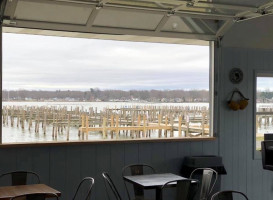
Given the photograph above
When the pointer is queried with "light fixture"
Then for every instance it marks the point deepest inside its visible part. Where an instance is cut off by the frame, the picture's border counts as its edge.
(174, 25)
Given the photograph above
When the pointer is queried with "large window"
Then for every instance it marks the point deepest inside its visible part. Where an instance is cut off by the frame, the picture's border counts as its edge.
(264, 109)
(72, 89)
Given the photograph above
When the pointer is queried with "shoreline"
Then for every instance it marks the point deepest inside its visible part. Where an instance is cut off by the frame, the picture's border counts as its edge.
(100, 102)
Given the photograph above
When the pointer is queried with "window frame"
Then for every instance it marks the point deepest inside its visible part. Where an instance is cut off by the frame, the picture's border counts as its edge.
(213, 109)
(1, 76)
(257, 73)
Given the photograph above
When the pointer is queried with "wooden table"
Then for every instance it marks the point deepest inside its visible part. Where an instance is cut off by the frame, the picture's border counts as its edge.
(8, 192)
(153, 181)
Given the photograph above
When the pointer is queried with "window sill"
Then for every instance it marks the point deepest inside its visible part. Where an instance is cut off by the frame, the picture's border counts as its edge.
(108, 141)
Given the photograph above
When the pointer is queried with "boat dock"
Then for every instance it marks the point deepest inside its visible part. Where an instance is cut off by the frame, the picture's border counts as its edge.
(111, 123)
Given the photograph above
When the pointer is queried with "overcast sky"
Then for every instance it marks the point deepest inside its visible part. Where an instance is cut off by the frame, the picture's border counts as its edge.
(265, 83)
(51, 63)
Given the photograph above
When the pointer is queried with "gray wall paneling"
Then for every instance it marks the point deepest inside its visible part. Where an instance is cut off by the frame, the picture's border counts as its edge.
(254, 33)
(63, 167)
(236, 128)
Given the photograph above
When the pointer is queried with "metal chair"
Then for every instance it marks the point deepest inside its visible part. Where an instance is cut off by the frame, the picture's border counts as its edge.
(207, 183)
(21, 177)
(267, 154)
(227, 195)
(36, 196)
(183, 189)
(137, 169)
(87, 194)
(110, 184)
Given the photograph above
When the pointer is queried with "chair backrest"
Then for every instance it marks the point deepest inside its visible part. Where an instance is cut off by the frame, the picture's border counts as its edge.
(267, 155)
(209, 178)
(227, 195)
(36, 196)
(21, 177)
(183, 189)
(86, 184)
(136, 169)
(110, 184)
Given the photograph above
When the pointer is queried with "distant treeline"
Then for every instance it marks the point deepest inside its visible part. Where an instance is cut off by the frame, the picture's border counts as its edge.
(265, 96)
(109, 95)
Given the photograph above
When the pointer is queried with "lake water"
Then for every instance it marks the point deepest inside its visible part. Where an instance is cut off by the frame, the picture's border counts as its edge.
(101, 105)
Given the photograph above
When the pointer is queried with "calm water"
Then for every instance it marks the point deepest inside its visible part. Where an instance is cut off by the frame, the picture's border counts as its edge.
(101, 105)
(14, 134)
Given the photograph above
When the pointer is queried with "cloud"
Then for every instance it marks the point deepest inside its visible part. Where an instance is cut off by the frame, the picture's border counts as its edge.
(50, 63)
(265, 83)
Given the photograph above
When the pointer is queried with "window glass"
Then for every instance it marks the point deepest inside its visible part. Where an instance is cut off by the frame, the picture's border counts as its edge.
(74, 89)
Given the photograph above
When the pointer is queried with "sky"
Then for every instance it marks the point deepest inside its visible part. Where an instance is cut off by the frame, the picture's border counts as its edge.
(265, 83)
(35, 62)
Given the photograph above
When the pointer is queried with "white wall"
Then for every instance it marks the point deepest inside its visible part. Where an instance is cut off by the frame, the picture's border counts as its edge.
(236, 127)
(254, 33)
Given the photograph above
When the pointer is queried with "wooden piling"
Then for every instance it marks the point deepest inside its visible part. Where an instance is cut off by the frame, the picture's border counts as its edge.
(117, 125)
(68, 127)
(104, 134)
(180, 126)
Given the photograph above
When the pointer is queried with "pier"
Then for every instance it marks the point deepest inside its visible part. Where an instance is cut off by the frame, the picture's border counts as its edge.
(110, 123)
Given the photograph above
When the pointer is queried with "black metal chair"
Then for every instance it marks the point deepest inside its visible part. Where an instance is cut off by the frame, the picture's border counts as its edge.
(267, 155)
(183, 189)
(136, 169)
(36, 196)
(227, 195)
(88, 188)
(110, 184)
(208, 181)
(21, 177)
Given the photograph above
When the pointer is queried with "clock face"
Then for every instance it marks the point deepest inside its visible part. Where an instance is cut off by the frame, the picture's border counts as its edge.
(236, 75)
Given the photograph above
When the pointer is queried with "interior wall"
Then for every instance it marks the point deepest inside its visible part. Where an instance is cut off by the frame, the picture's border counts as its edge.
(62, 167)
(253, 33)
(236, 127)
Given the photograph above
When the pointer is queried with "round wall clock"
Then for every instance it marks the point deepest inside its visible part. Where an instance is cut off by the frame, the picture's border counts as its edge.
(236, 75)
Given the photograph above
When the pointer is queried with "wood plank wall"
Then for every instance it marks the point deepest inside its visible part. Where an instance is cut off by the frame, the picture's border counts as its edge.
(64, 166)
(236, 127)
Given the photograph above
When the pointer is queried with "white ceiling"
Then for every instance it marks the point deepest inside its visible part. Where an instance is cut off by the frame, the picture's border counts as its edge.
(173, 20)
(53, 12)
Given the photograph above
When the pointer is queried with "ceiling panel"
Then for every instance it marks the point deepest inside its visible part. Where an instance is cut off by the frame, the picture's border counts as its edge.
(125, 19)
(177, 24)
(255, 3)
(52, 12)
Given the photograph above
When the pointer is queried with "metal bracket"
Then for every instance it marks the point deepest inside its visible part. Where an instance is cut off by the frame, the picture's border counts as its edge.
(171, 13)
(8, 22)
(262, 11)
(219, 41)
(101, 4)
